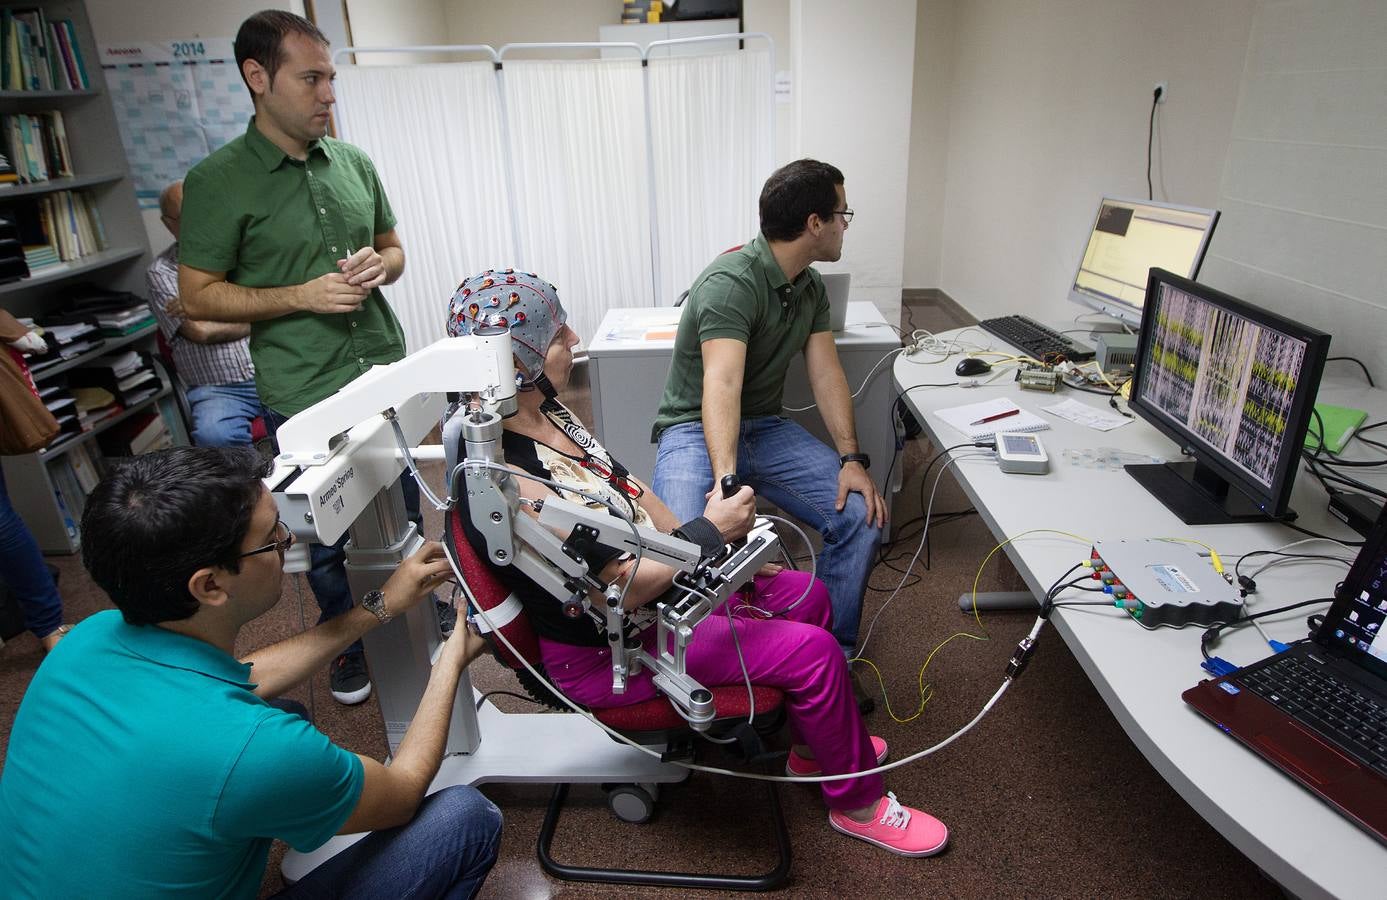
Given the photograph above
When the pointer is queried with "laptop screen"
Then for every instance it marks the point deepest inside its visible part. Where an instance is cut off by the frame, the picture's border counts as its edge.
(1355, 624)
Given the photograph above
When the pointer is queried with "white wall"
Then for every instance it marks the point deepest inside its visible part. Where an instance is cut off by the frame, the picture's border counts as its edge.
(929, 141)
(1048, 110)
(127, 21)
(853, 68)
(490, 22)
(1304, 195)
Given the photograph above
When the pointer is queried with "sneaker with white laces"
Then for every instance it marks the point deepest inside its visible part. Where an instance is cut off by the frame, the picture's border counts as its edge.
(900, 829)
(349, 680)
(806, 768)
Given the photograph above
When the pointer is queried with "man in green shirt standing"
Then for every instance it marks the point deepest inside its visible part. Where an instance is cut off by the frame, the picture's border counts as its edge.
(290, 230)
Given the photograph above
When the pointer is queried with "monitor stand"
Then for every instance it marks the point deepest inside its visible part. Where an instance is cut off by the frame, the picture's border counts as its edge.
(1198, 495)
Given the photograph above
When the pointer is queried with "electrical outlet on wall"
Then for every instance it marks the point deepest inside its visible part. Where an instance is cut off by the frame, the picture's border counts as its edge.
(1164, 88)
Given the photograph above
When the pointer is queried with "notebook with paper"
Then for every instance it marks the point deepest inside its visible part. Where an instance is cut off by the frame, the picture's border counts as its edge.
(1005, 416)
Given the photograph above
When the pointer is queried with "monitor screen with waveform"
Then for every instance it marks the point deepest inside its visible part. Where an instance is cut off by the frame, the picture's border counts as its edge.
(1234, 385)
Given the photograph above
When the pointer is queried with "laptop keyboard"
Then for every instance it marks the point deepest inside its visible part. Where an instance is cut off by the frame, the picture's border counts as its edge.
(1355, 721)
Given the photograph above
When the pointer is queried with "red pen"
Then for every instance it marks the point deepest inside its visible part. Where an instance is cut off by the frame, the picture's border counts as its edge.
(1001, 415)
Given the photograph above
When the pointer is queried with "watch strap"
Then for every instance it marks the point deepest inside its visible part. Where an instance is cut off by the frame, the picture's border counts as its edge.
(855, 457)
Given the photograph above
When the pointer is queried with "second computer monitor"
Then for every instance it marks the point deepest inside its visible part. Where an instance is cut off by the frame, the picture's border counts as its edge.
(1127, 240)
(1234, 386)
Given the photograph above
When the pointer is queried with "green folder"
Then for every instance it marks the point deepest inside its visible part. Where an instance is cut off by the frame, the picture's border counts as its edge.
(1340, 424)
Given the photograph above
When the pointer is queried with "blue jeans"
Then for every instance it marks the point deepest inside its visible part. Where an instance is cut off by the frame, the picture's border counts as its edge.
(446, 850)
(23, 570)
(222, 413)
(798, 473)
(328, 573)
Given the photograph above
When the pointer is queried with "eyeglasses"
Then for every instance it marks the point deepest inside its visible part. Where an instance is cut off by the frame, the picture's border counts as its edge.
(845, 213)
(284, 539)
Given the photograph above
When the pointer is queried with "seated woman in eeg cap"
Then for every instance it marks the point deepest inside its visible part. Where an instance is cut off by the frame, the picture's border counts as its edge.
(785, 645)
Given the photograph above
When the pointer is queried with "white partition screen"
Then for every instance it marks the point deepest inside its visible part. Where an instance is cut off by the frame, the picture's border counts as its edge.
(616, 181)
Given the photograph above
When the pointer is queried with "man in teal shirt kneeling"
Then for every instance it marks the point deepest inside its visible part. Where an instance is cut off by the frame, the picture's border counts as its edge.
(143, 742)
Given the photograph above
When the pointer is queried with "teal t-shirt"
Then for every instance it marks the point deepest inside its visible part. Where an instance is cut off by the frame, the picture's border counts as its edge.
(141, 765)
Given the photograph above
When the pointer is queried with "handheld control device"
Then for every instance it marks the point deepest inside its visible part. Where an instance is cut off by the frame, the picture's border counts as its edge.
(1021, 454)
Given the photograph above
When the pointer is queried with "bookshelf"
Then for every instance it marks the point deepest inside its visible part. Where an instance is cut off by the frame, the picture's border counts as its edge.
(48, 487)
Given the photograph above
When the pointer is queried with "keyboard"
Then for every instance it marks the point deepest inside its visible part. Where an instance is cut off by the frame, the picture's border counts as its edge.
(1036, 339)
(1355, 721)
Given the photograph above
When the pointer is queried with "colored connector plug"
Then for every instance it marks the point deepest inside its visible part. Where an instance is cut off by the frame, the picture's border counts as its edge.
(1217, 666)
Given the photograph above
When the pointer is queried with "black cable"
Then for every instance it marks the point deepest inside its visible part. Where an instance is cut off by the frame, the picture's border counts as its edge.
(1326, 537)
(1150, 139)
(482, 698)
(1213, 632)
(1354, 359)
(1251, 586)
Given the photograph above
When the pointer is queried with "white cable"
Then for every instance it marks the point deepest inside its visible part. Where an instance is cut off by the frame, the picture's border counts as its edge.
(924, 535)
(855, 394)
(713, 770)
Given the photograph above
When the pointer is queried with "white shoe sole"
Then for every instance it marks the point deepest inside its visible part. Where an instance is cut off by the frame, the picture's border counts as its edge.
(352, 698)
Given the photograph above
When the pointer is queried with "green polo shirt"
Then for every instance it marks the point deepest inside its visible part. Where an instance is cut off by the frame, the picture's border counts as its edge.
(141, 765)
(745, 296)
(269, 220)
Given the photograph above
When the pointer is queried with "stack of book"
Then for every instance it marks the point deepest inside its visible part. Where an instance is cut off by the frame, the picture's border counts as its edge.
(120, 322)
(39, 55)
(13, 260)
(61, 404)
(66, 339)
(61, 224)
(128, 378)
(141, 433)
(37, 147)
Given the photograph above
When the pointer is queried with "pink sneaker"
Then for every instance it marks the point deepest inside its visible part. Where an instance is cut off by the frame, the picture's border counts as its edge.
(897, 828)
(798, 765)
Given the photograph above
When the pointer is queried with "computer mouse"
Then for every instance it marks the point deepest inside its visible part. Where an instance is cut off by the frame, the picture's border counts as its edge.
(972, 366)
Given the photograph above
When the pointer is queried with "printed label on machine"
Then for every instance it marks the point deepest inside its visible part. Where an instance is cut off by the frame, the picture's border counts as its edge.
(1173, 580)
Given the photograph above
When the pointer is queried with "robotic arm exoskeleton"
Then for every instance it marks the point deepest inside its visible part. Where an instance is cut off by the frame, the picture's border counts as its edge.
(339, 454)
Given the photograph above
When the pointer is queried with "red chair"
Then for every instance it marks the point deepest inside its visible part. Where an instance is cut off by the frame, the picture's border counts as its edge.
(653, 722)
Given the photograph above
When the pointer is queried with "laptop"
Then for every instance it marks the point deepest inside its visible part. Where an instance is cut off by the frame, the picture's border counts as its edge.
(837, 287)
(1318, 711)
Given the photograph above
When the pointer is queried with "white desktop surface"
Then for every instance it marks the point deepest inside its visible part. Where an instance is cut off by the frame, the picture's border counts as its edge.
(629, 360)
(1288, 832)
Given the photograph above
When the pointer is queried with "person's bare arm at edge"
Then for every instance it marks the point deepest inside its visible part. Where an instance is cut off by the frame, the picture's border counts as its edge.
(724, 364)
(208, 295)
(834, 399)
(390, 795)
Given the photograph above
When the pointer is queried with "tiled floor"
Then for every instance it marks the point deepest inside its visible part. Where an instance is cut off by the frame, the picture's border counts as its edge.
(1045, 798)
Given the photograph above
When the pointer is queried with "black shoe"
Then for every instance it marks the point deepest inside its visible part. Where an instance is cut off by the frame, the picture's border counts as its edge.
(447, 617)
(866, 703)
(347, 677)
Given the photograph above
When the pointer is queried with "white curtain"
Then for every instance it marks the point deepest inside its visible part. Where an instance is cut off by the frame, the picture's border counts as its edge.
(558, 181)
(577, 144)
(711, 123)
(433, 132)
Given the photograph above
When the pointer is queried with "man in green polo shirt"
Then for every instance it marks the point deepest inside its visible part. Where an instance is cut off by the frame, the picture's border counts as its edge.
(748, 314)
(290, 230)
(144, 740)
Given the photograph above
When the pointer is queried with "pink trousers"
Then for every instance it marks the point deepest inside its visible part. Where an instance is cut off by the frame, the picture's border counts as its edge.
(796, 654)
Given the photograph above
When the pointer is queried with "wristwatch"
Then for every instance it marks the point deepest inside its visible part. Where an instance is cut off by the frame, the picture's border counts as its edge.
(855, 457)
(374, 603)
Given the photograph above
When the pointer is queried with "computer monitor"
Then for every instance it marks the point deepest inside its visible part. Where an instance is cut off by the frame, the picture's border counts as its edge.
(1127, 240)
(1234, 386)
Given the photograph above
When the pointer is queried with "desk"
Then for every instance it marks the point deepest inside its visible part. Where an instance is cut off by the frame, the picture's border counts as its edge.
(1289, 833)
(629, 360)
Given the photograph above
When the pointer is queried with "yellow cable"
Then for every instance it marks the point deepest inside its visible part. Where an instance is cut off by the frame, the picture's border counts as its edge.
(925, 696)
(978, 577)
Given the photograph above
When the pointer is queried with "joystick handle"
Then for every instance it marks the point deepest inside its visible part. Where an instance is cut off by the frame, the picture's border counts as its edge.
(730, 485)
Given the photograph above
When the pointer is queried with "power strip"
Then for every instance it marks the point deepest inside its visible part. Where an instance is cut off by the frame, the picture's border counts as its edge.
(1163, 583)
